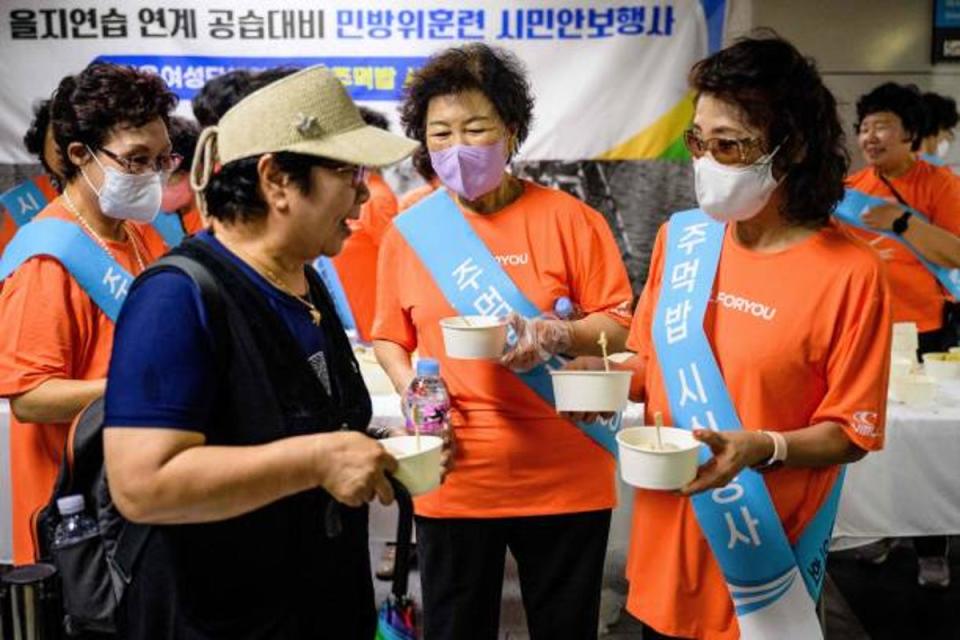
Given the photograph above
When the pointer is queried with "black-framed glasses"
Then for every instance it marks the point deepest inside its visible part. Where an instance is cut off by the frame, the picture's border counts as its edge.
(723, 150)
(167, 163)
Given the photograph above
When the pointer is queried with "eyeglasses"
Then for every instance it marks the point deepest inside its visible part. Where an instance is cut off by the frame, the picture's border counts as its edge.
(359, 173)
(167, 163)
(723, 150)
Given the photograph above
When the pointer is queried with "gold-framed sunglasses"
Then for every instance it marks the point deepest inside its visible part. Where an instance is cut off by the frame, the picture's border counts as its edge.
(723, 150)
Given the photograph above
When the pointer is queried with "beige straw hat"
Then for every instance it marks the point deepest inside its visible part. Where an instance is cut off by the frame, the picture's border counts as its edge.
(308, 112)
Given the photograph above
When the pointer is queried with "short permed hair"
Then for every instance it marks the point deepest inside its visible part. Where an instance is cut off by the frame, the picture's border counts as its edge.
(219, 94)
(781, 93)
(374, 118)
(183, 138)
(941, 113)
(904, 100)
(493, 71)
(36, 136)
(89, 105)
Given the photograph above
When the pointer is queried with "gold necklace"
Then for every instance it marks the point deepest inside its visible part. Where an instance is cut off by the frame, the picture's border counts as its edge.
(96, 236)
(315, 316)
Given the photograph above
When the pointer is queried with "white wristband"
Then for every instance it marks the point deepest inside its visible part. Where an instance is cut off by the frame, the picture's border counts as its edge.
(779, 449)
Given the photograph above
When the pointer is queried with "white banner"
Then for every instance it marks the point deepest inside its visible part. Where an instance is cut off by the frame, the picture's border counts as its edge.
(609, 77)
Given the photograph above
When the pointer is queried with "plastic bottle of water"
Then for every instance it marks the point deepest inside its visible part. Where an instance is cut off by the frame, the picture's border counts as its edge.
(426, 402)
(75, 525)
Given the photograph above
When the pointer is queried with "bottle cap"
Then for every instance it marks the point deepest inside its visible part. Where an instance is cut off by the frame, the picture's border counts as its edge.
(428, 367)
(69, 505)
(563, 307)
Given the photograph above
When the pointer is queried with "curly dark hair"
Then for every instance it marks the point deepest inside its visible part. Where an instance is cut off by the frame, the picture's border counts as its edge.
(219, 94)
(87, 106)
(904, 100)
(495, 72)
(780, 92)
(260, 79)
(36, 136)
(374, 118)
(183, 137)
(233, 192)
(941, 113)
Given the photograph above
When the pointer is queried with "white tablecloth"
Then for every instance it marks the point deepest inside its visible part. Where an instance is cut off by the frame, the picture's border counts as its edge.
(6, 533)
(912, 486)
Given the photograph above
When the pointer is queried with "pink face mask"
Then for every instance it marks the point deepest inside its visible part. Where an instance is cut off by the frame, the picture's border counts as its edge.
(471, 170)
(176, 196)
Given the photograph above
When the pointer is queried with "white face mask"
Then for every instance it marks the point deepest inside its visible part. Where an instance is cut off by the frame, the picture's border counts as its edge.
(943, 148)
(127, 196)
(728, 193)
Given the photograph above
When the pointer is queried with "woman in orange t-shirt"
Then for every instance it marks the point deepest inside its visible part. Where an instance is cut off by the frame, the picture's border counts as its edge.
(798, 322)
(39, 141)
(890, 126)
(178, 198)
(523, 478)
(109, 123)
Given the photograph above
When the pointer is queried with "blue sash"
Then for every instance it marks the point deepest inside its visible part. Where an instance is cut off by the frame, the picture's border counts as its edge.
(856, 203)
(23, 202)
(936, 161)
(328, 273)
(473, 283)
(102, 277)
(739, 521)
(169, 227)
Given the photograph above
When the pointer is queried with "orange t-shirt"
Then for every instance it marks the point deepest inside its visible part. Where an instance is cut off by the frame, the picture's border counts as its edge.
(934, 192)
(515, 456)
(414, 196)
(7, 227)
(356, 263)
(802, 336)
(49, 328)
(191, 220)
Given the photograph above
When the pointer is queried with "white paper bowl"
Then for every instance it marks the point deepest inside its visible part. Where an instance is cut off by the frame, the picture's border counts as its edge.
(664, 470)
(941, 366)
(419, 471)
(591, 390)
(914, 389)
(482, 338)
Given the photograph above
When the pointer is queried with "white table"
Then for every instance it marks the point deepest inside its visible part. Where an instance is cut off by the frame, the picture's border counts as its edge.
(6, 530)
(912, 486)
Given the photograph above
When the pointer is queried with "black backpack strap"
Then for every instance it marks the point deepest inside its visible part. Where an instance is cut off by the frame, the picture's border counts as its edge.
(209, 293)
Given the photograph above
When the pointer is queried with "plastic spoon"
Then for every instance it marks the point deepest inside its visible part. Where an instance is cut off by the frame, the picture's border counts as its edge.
(658, 421)
(603, 345)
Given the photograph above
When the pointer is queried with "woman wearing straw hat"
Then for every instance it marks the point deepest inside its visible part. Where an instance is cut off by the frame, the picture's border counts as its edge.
(237, 427)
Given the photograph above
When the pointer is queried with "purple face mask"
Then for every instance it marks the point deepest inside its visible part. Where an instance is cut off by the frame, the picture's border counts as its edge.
(471, 170)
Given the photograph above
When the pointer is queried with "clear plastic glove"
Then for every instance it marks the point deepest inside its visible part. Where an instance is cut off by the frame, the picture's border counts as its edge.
(536, 341)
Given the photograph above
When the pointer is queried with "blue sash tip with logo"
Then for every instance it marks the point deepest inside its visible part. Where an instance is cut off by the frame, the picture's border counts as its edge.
(474, 283)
